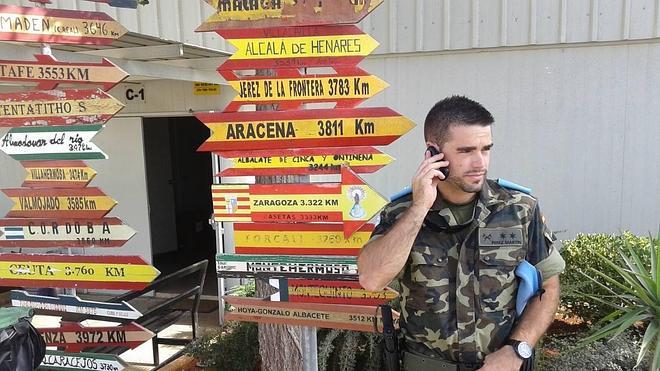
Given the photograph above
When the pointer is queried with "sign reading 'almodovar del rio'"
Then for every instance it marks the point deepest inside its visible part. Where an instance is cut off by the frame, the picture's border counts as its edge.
(52, 143)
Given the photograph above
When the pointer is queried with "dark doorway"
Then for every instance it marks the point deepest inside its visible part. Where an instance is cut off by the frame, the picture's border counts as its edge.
(179, 189)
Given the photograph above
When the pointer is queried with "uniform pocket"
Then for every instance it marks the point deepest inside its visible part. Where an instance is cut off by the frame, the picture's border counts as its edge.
(497, 280)
(429, 279)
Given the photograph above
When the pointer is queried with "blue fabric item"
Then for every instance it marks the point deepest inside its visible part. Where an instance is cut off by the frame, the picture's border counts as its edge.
(511, 185)
(529, 284)
(402, 193)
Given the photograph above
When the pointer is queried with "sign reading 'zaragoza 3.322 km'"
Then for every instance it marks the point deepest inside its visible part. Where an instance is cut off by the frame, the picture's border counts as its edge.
(19, 23)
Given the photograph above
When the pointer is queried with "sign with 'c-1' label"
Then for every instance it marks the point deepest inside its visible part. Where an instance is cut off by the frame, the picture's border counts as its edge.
(29, 233)
(75, 271)
(59, 203)
(74, 338)
(351, 202)
(52, 143)
(55, 360)
(312, 128)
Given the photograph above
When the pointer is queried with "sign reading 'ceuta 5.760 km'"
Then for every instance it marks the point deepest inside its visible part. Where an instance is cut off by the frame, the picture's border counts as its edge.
(57, 174)
(57, 107)
(36, 233)
(74, 338)
(231, 14)
(59, 203)
(243, 131)
(75, 271)
(351, 202)
(19, 23)
(52, 143)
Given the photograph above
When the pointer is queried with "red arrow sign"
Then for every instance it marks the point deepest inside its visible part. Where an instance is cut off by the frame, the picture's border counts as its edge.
(57, 174)
(49, 73)
(312, 128)
(57, 26)
(74, 338)
(59, 203)
(57, 107)
(329, 292)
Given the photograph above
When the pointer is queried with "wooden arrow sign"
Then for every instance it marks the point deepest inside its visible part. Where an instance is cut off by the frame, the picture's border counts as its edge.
(48, 73)
(55, 360)
(79, 203)
(276, 266)
(310, 128)
(290, 89)
(348, 317)
(130, 4)
(73, 304)
(57, 174)
(328, 292)
(57, 26)
(75, 271)
(298, 239)
(282, 47)
(352, 202)
(52, 143)
(57, 107)
(304, 161)
(78, 233)
(264, 14)
(73, 337)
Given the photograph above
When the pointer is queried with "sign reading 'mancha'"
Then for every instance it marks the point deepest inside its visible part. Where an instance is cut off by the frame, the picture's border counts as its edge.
(286, 266)
(19, 23)
(55, 360)
(57, 107)
(52, 143)
(76, 203)
(74, 338)
(311, 128)
(75, 271)
(57, 174)
(73, 304)
(231, 14)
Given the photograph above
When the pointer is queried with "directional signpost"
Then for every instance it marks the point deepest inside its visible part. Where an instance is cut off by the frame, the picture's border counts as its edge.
(59, 203)
(283, 266)
(73, 304)
(57, 107)
(328, 292)
(304, 161)
(75, 271)
(38, 233)
(57, 26)
(264, 14)
(49, 73)
(55, 360)
(241, 131)
(73, 337)
(57, 174)
(298, 239)
(52, 143)
(348, 317)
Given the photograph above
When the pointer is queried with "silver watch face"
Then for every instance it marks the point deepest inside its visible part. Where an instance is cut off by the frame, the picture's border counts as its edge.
(524, 350)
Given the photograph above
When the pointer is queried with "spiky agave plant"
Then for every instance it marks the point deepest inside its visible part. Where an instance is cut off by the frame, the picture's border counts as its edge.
(640, 301)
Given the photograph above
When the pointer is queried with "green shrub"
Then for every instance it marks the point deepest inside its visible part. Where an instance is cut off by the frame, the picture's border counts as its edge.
(580, 255)
(344, 350)
(234, 346)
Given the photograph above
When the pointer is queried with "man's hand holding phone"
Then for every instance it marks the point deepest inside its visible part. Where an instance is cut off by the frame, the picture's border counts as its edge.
(425, 182)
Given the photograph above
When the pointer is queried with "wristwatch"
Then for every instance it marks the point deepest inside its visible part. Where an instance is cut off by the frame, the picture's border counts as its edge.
(522, 349)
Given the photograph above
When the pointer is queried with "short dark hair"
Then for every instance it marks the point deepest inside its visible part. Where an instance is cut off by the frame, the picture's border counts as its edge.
(454, 110)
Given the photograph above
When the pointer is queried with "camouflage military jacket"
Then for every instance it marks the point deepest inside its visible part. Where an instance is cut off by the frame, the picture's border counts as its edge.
(458, 288)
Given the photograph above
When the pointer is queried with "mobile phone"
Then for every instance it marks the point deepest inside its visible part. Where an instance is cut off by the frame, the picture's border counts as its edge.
(443, 170)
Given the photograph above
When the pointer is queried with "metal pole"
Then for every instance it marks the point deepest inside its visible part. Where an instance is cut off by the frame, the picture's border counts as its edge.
(219, 242)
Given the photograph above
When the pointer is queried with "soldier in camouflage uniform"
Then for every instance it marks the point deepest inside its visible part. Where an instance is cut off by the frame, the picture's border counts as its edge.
(454, 245)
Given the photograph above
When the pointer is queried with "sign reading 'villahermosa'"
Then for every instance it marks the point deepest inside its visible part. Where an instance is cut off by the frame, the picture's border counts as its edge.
(328, 267)
(52, 143)
(276, 13)
(55, 360)
(28, 233)
(19, 23)
(57, 174)
(76, 203)
(74, 338)
(73, 304)
(351, 202)
(244, 131)
(75, 271)
(298, 239)
(57, 107)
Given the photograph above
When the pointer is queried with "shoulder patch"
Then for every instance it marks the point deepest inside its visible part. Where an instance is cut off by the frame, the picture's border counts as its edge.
(401, 194)
(511, 185)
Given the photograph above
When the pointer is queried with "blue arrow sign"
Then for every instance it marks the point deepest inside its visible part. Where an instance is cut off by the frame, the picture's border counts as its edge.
(73, 304)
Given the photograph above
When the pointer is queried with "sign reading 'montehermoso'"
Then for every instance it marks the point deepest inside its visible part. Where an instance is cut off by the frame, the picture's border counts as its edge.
(276, 266)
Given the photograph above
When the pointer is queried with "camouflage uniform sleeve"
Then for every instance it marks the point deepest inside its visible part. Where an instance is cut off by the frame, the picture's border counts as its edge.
(541, 251)
(387, 220)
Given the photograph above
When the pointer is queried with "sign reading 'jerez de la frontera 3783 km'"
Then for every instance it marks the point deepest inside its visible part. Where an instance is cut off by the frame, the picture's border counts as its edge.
(19, 23)
(57, 174)
(74, 338)
(55, 360)
(73, 304)
(76, 203)
(57, 107)
(52, 143)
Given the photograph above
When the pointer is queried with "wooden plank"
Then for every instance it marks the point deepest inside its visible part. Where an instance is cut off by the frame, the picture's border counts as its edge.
(311, 128)
(350, 202)
(327, 291)
(72, 337)
(285, 266)
(283, 47)
(75, 271)
(56, 360)
(57, 107)
(348, 317)
(76, 233)
(57, 174)
(298, 238)
(73, 304)
(237, 14)
(48, 72)
(303, 161)
(57, 26)
(52, 143)
(79, 203)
